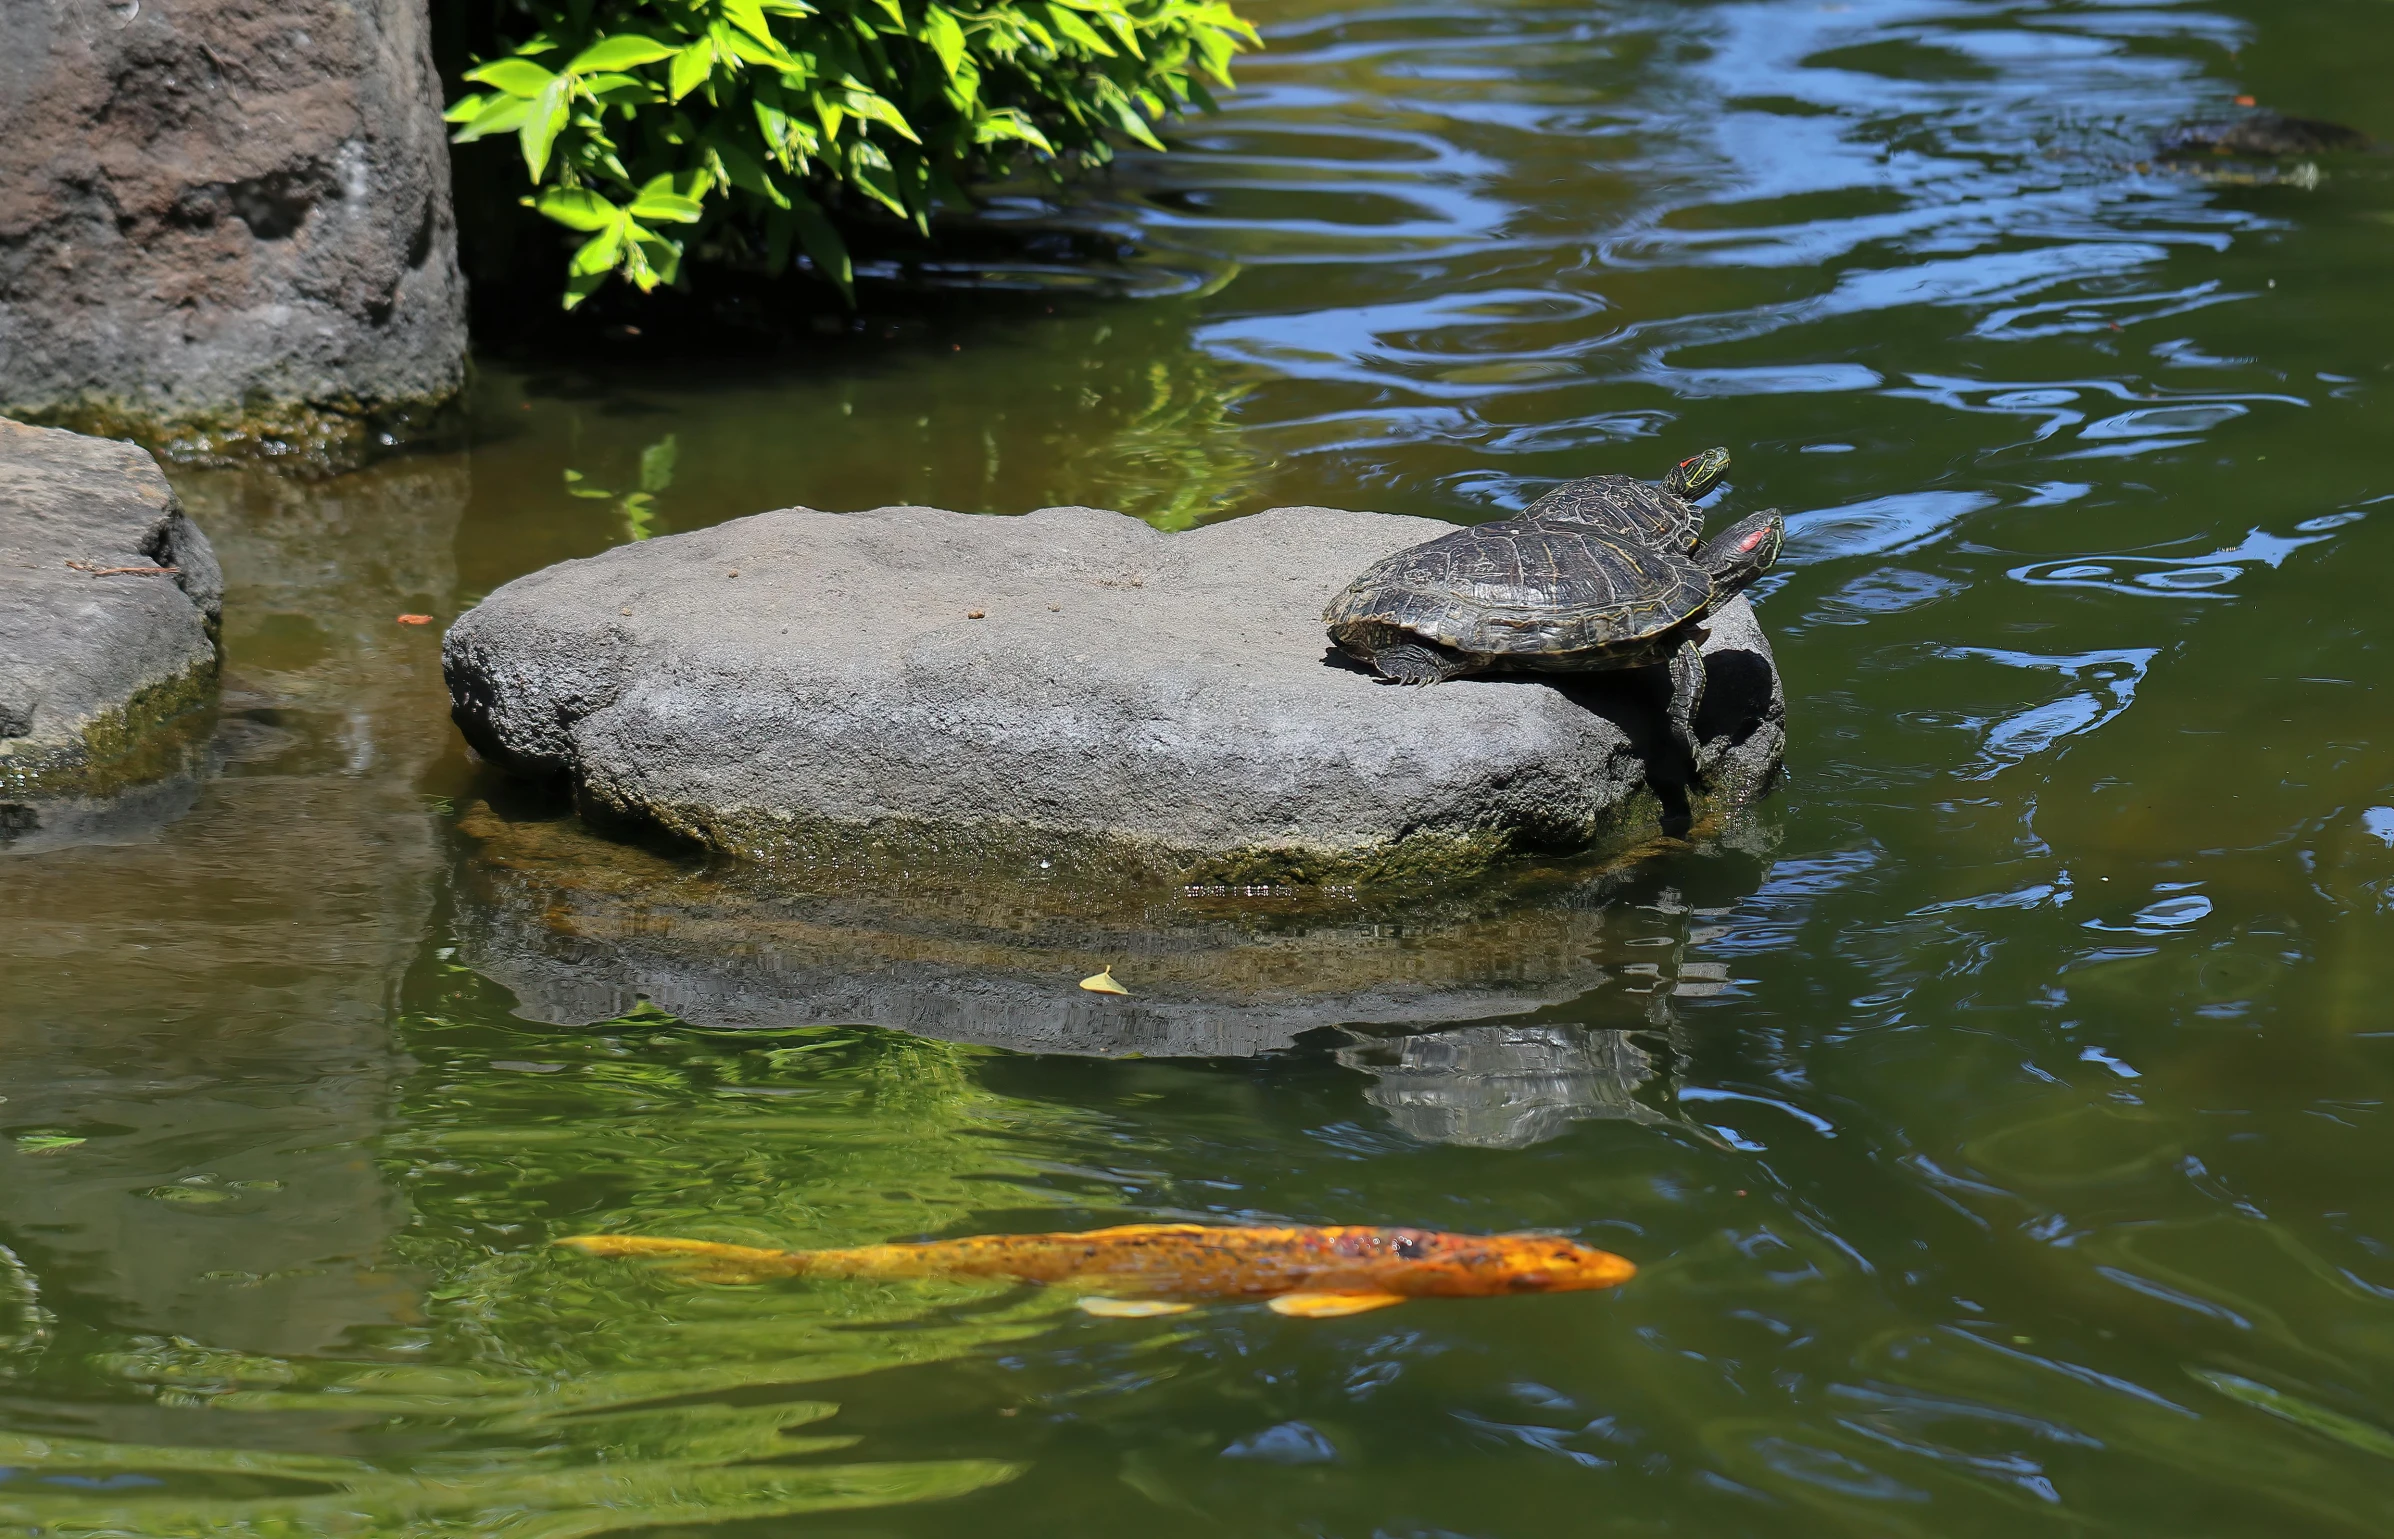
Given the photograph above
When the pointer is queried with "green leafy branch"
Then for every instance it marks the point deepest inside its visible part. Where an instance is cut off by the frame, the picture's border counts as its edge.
(647, 124)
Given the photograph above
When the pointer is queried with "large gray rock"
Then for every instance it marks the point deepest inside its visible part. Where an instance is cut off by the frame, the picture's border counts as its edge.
(91, 657)
(225, 226)
(798, 681)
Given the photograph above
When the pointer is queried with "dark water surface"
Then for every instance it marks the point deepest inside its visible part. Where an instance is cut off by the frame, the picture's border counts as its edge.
(2005, 1146)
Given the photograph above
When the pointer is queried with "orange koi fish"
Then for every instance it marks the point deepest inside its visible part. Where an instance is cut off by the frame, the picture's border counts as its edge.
(1154, 1269)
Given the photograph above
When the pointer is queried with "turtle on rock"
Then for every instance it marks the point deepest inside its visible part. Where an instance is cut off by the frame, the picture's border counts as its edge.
(1604, 573)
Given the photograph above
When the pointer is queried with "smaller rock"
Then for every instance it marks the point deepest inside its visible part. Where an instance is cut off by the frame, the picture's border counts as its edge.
(109, 602)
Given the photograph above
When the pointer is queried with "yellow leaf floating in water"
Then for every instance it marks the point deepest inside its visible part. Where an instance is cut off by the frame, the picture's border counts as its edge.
(1328, 1306)
(1131, 1309)
(1103, 983)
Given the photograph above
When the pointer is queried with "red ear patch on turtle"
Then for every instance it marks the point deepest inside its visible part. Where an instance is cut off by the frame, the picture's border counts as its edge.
(1754, 539)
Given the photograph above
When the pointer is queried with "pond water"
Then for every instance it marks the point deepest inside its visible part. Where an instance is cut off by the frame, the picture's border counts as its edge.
(2002, 1139)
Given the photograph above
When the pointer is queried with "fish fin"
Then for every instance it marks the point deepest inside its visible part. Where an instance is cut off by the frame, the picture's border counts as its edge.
(1324, 1306)
(1131, 1309)
(1125, 1229)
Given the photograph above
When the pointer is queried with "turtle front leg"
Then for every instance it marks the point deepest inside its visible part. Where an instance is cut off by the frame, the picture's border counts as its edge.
(1687, 693)
(1411, 662)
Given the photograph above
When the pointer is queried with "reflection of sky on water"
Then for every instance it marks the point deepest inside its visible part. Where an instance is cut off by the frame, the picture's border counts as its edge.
(2206, 575)
(1502, 1087)
(1837, 164)
(2103, 684)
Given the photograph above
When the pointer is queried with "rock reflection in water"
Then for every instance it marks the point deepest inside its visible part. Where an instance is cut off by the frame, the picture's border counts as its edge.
(1503, 1087)
(583, 929)
(200, 968)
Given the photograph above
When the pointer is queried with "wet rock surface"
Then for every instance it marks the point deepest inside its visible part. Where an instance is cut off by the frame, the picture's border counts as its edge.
(806, 680)
(109, 602)
(225, 227)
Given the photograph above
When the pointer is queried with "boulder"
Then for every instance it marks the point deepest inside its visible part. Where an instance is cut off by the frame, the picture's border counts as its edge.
(803, 683)
(109, 601)
(225, 227)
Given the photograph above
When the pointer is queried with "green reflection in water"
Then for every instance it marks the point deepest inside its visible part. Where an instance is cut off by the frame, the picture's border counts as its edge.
(573, 1397)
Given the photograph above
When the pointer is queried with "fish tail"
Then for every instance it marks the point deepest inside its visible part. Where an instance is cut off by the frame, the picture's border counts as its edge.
(702, 1259)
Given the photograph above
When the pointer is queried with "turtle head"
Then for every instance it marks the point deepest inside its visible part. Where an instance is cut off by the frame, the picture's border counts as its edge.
(1742, 552)
(1692, 477)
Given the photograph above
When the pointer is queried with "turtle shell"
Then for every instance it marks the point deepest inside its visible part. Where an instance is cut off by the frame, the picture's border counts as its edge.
(1532, 592)
(1624, 504)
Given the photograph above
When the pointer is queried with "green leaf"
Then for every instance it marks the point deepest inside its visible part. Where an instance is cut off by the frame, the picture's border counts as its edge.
(515, 76)
(616, 90)
(499, 115)
(945, 37)
(746, 172)
(1127, 118)
(580, 286)
(544, 123)
(596, 257)
(669, 207)
(690, 68)
(661, 258)
(870, 172)
(1078, 30)
(823, 245)
(786, 139)
(625, 50)
(749, 17)
(1122, 27)
(43, 1143)
(576, 485)
(747, 49)
(1009, 124)
(877, 108)
(578, 208)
